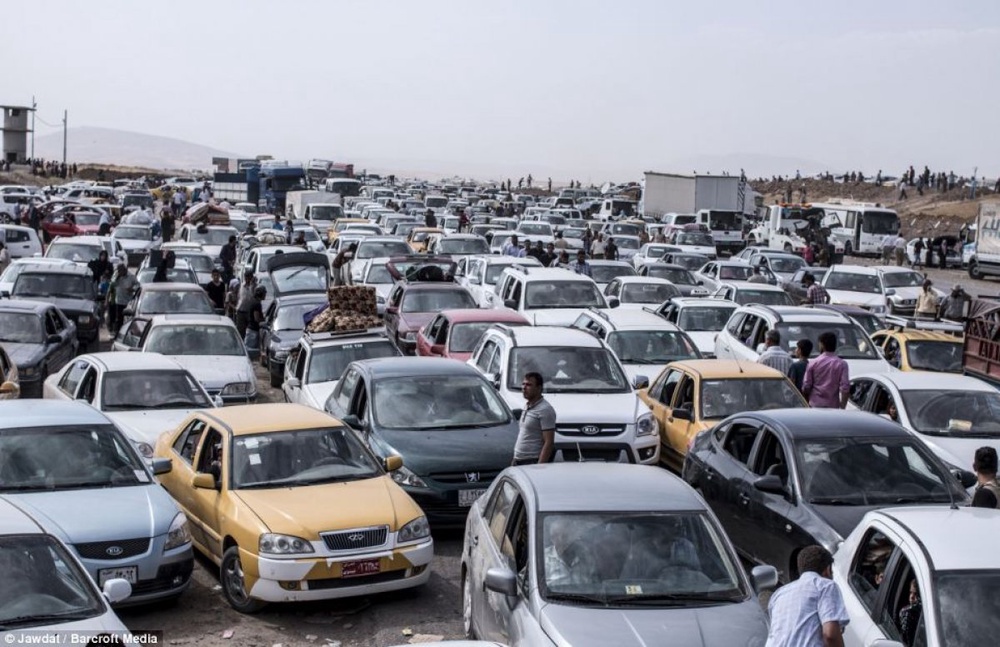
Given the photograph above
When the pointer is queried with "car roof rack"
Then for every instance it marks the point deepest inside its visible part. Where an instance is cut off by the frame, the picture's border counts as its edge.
(602, 314)
(507, 330)
(895, 322)
(339, 334)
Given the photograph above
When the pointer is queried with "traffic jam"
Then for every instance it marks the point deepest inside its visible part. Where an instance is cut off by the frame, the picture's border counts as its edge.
(646, 421)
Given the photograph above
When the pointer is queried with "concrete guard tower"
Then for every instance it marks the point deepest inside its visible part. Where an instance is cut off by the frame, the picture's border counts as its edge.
(15, 133)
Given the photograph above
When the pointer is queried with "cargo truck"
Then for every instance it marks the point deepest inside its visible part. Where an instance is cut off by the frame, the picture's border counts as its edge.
(265, 185)
(984, 259)
(664, 193)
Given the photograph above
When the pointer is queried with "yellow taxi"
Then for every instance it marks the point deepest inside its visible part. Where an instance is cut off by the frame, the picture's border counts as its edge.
(690, 396)
(910, 349)
(291, 506)
(418, 238)
(344, 223)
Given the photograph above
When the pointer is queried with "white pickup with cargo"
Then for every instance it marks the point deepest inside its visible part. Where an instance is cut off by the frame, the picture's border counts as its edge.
(296, 201)
(777, 229)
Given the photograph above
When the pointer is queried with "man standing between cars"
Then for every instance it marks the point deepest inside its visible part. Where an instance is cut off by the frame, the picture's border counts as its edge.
(774, 355)
(177, 202)
(228, 257)
(537, 432)
(216, 290)
(758, 275)
(927, 302)
(560, 242)
(809, 612)
(597, 247)
(167, 225)
(987, 490)
(582, 266)
(430, 220)
(104, 225)
(244, 306)
(816, 294)
(826, 384)
(888, 245)
(512, 248)
(124, 286)
(899, 243)
(797, 371)
(954, 305)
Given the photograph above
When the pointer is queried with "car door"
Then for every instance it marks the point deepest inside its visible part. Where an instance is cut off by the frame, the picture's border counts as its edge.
(392, 312)
(860, 390)
(20, 243)
(613, 289)
(748, 335)
(726, 469)
(294, 368)
(266, 326)
(61, 351)
(496, 551)
(427, 335)
(659, 398)
(178, 480)
(87, 390)
(776, 516)
(130, 336)
(206, 504)
(68, 381)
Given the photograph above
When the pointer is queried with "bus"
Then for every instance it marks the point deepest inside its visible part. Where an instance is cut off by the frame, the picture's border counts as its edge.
(859, 227)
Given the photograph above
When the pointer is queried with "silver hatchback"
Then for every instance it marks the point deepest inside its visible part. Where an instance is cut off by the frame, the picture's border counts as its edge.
(604, 554)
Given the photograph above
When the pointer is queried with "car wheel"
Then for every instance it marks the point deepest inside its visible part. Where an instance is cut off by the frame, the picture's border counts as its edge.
(233, 583)
(974, 271)
(468, 629)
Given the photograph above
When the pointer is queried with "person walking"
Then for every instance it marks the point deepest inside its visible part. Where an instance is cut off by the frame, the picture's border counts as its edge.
(987, 489)
(928, 303)
(124, 286)
(227, 255)
(943, 253)
(902, 189)
(216, 290)
(251, 337)
(954, 306)
(99, 265)
(341, 263)
(512, 248)
(582, 266)
(825, 383)
(244, 303)
(430, 220)
(810, 611)
(757, 276)
(560, 242)
(888, 244)
(774, 355)
(797, 371)
(899, 247)
(611, 250)
(816, 294)
(918, 250)
(597, 247)
(537, 430)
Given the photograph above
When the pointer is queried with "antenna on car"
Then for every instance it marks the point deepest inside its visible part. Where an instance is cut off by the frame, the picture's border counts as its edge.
(579, 453)
(739, 366)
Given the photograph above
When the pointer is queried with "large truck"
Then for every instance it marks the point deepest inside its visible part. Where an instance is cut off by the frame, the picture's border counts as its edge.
(664, 193)
(263, 184)
(985, 257)
(981, 344)
(778, 228)
(296, 201)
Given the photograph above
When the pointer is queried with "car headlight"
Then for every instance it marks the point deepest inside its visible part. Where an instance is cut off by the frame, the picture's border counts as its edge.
(236, 388)
(275, 544)
(179, 533)
(404, 476)
(645, 425)
(27, 371)
(877, 310)
(413, 531)
(84, 319)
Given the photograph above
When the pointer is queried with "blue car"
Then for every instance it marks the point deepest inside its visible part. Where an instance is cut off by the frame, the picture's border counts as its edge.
(73, 471)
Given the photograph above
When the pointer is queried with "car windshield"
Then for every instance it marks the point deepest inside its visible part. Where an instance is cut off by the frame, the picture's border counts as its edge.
(436, 202)
(573, 233)
(722, 398)
(852, 342)
(284, 459)
(870, 322)
(465, 336)
(644, 559)
(213, 236)
(330, 212)
(871, 471)
(327, 363)
(437, 300)
(133, 233)
(197, 262)
(627, 242)
(735, 272)
(902, 279)
(404, 228)
(307, 233)
(45, 585)
(494, 270)
(786, 264)
(879, 222)
(194, 339)
(535, 229)
(175, 302)
(695, 239)
(623, 229)
(763, 297)
(382, 248)
(698, 318)
(962, 414)
(562, 294)
(851, 282)
(76, 252)
(67, 286)
(300, 278)
(378, 274)
(173, 274)
(157, 389)
(689, 261)
(463, 246)
(654, 293)
(675, 275)
(86, 218)
(651, 346)
(62, 458)
(943, 356)
(20, 328)
(724, 220)
(289, 317)
(436, 402)
(568, 369)
(966, 606)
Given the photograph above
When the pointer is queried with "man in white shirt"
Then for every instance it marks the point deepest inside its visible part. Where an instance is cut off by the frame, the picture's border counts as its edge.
(809, 612)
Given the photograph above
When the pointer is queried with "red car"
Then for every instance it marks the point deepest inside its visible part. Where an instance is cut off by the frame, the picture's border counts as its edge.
(455, 333)
(70, 222)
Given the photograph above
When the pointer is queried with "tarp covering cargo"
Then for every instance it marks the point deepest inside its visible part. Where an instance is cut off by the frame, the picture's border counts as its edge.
(352, 307)
(981, 350)
(988, 226)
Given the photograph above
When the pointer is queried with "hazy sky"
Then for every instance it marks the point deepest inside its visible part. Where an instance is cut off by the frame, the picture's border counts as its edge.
(574, 88)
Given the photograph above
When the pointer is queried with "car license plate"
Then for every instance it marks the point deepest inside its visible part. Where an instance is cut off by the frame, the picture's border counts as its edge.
(360, 567)
(467, 497)
(128, 573)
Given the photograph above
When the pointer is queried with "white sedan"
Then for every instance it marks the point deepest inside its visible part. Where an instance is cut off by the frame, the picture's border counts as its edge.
(638, 292)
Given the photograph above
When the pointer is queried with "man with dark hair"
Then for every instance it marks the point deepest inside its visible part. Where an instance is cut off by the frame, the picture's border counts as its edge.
(536, 436)
(227, 255)
(825, 383)
(797, 371)
(809, 612)
(987, 490)
(816, 294)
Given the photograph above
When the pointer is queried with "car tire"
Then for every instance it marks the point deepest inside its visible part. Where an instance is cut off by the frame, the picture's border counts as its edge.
(974, 272)
(467, 629)
(233, 583)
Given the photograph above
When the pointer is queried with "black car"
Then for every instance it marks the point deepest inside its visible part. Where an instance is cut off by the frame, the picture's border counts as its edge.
(794, 287)
(38, 338)
(784, 479)
(281, 330)
(70, 288)
(452, 429)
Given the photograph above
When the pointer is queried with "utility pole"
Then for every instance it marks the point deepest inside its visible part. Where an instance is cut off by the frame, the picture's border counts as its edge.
(34, 109)
(65, 119)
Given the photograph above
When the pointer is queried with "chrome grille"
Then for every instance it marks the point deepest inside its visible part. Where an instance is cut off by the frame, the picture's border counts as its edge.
(586, 430)
(356, 539)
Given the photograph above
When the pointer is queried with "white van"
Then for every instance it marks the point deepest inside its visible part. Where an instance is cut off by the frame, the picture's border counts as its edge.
(21, 242)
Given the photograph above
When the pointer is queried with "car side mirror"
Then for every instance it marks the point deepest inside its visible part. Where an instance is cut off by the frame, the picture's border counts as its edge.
(965, 477)
(494, 379)
(473, 279)
(351, 421)
(700, 282)
(613, 302)
(884, 642)
(5, 294)
(640, 382)
(53, 339)
(890, 292)
(682, 414)
(510, 303)
(764, 577)
(116, 589)
(293, 383)
(392, 463)
(501, 580)
(128, 312)
(161, 466)
(770, 483)
(204, 481)
(437, 349)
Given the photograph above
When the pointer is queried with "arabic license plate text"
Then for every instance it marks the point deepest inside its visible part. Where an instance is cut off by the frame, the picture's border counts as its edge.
(360, 567)
(467, 497)
(128, 573)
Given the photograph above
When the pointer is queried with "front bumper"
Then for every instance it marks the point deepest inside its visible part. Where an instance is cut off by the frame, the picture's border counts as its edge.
(645, 451)
(321, 578)
(160, 574)
(239, 398)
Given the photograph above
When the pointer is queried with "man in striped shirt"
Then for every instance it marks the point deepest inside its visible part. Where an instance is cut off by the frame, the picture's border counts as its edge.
(774, 355)
(816, 294)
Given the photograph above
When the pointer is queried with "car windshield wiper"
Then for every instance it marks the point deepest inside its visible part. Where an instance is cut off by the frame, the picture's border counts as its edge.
(19, 341)
(832, 500)
(677, 598)
(579, 597)
(176, 405)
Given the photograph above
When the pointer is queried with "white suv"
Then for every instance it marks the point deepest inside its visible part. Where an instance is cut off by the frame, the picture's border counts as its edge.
(547, 296)
(479, 275)
(743, 336)
(598, 415)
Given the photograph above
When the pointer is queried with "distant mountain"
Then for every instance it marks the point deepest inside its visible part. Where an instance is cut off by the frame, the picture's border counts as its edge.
(110, 146)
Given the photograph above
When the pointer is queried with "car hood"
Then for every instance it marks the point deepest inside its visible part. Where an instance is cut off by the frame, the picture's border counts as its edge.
(23, 354)
(842, 518)
(554, 316)
(956, 451)
(489, 449)
(129, 244)
(860, 299)
(704, 340)
(729, 625)
(212, 250)
(320, 392)
(706, 250)
(649, 370)
(360, 504)
(597, 407)
(74, 305)
(147, 426)
(100, 514)
(216, 371)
